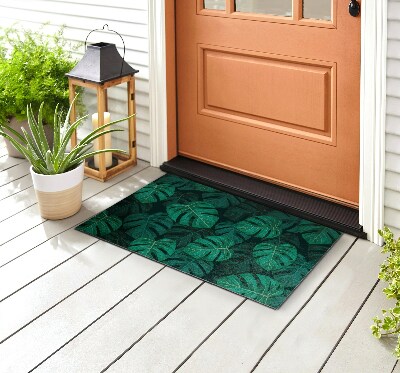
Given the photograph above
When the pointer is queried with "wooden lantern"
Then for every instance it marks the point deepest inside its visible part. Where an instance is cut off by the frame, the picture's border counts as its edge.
(101, 68)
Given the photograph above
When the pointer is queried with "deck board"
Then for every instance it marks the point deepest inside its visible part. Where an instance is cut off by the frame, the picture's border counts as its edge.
(252, 328)
(309, 339)
(70, 317)
(179, 334)
(105, 340)
(72, 303)
(104, 195)
(56, 285)
(14, 173)
(371, 355)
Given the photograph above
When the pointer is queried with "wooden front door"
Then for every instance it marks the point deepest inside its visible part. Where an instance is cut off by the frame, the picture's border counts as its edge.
(270, 88)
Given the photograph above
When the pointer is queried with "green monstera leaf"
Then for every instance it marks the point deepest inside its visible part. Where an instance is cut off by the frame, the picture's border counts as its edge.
(147, 225)
(229, 229)
(258, 287)
(291, 276)
(213, 248)
(129, 206)
(118, 238)
(154, 249)
(274, 255)
(183, 198)
(240, 212)
(154, 193)
(263, 226)
(221, 200)
(315, 234)
(190, 265)
(193, 214)
(100, 225)
(182, 235)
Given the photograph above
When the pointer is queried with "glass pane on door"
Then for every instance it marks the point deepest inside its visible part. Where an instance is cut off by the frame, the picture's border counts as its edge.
(273, 7)
(317, 9)
(215, 4)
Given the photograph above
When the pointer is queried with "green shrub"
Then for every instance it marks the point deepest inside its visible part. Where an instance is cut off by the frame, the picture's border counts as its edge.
(389, 324)
(32, 71)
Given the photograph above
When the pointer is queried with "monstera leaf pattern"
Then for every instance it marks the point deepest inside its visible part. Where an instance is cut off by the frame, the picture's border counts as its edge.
(147, 225)
(101, 225)
(212, 249)
(254, 286)
(229, 229)
(154, 249)
(260, 226)
(247, 248)
(316, 234)
(220, 199)
(199, 268)
(274, 255)
(154, 193)
(194, 214)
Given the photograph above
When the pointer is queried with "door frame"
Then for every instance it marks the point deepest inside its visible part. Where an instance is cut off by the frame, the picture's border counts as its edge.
(162, 96)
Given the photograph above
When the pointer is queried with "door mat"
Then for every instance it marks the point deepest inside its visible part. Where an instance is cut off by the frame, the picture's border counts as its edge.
(245, 247)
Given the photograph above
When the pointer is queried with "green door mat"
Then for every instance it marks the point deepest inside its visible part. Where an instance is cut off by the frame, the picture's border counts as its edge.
(250, 249)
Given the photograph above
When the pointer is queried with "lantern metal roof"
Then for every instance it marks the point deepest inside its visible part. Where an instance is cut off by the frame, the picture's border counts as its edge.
(101, 63)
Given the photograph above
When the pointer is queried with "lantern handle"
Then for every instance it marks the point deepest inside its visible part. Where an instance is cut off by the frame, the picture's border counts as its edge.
(108, 29)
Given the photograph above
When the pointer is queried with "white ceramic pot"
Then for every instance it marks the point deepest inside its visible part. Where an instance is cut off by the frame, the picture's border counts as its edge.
(59, 196)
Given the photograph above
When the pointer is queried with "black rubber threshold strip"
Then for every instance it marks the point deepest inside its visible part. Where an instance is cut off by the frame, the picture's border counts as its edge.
(305, 206)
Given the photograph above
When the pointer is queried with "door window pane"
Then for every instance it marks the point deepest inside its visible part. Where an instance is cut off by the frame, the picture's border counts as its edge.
(273, 7)
(317, 9)
(215, 4)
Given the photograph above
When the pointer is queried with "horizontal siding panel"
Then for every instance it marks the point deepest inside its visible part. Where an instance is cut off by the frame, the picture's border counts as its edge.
(393, 125)
(393, 68)
(393, 49)
(392, 199)
(134, 4)
(396, 231)
(129, 18)
(392, 217)
(393, 87)
(394, 30)
(392, 181)
(393, 144)
(393, 106)
(392, 177)
(392, 162)
(90, 11)
(393, 11)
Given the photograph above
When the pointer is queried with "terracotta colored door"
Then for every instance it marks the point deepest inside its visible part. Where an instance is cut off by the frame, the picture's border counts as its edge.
(270, 88)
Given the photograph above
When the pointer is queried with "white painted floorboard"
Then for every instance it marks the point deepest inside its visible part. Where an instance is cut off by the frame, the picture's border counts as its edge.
(309, 339)
(124, 325)
(371, 355)
(71, 303)
(247, 334)
(56, 285)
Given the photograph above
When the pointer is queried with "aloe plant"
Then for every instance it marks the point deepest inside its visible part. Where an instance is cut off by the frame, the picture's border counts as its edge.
(55, 160)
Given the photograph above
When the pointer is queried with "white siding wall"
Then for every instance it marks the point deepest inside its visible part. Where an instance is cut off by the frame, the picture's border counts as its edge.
(128, 17)
(392, 192)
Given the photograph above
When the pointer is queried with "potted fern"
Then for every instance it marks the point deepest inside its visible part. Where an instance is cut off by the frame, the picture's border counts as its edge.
(56, 173)
(32, 71)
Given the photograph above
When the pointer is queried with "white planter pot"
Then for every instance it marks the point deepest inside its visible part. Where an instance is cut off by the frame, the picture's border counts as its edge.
(59, 196)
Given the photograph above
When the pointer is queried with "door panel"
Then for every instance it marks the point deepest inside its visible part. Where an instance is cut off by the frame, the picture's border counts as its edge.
(272, 97)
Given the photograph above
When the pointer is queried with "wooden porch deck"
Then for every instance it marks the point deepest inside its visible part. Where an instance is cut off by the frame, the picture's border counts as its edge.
(72, 303)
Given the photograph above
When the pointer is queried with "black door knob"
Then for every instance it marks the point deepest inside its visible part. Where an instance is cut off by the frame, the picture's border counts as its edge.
(354, 8)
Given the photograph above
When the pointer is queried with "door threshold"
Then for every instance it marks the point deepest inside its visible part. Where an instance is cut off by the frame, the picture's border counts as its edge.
(330, 214)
